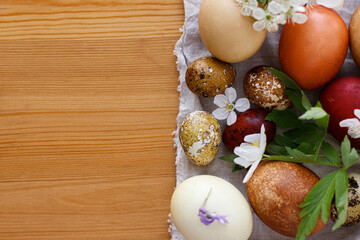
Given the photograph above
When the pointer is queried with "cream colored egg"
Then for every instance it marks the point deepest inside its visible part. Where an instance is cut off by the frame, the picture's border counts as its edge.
(226, 33)
(224, 199)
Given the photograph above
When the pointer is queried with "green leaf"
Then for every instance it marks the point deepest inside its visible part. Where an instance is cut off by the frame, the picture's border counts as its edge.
(306, 148)
(229, 158)
(313, 113)
(237, 168)
(323, 122)
(275, 149)
(297, 155)
(284, 141)
(317, 200)
(284, 119)
(341, 197)
(285, 80)
(308, 132)
(305, 101)
(349, 156)
(331, 153)
(295, 98)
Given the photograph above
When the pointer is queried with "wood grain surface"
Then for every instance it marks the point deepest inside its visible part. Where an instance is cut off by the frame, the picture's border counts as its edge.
(88, 103)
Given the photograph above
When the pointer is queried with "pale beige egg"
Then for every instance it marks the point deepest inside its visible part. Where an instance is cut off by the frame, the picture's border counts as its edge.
(217, 196)
(226, 33)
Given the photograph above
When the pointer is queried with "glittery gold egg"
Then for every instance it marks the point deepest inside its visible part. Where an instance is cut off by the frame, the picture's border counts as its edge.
(200, 137)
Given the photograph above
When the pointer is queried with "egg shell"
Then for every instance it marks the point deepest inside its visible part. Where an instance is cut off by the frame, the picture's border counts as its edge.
(224, 199)
(275, 192)
(354, 32)
(208, 76)
(248, 122)
(339, 99)
(265, 90)
(309, 53)
(200, 137)
(226, 33)
(353, 212)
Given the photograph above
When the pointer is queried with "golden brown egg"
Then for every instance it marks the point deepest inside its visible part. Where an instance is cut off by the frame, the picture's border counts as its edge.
(265, 90)
(208, 76)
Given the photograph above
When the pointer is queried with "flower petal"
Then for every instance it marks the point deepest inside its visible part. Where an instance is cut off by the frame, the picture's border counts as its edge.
(349, 122)
(242, 162)
(354, 132)
(221, 113)
(259, 25)
(230, 93)
(272, 27)
(262, 139)
(357, 113)
(252, 138)
(299, 18)
(242, 104)
(334, 4)
(274, 7)
(251, 171)
(259, 14)
(245, 10)
(231, 119)
(221, 100)
(253, 4)
(249, 153)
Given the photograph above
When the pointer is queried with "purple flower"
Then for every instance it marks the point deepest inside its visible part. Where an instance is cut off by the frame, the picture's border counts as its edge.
(207, 217)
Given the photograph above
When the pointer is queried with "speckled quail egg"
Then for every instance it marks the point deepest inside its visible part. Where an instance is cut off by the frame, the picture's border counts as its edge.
(265, 90)
(353, 212)
(208, 76)
(200, 137)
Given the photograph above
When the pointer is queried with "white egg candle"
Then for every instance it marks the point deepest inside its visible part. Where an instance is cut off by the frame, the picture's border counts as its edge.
(217, 196)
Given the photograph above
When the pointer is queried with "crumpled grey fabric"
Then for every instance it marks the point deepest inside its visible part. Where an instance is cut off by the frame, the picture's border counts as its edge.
(188, 48)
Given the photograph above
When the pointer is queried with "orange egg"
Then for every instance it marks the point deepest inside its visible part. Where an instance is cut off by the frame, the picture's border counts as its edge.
(313, 53)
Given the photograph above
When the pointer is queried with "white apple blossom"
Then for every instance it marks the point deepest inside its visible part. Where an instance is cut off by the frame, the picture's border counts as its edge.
(226, 106)
(265, 20)
(251, 152)
(353, 124)
(334, 4)
(247, 6)
(274, 12)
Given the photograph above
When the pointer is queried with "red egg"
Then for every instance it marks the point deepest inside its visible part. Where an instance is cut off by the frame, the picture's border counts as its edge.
(248, 122)
(339, 99)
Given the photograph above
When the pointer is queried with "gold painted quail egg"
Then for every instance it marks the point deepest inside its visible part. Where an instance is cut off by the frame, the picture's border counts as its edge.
(200, 137)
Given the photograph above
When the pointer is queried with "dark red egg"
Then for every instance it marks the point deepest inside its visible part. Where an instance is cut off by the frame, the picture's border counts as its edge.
(339, 99)
(248, 122)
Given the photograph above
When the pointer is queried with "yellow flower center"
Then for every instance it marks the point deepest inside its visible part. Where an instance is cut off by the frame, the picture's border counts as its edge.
(229, 107)
(256, 144)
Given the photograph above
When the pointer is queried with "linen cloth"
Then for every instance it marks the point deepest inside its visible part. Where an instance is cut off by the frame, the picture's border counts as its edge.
(189, 48)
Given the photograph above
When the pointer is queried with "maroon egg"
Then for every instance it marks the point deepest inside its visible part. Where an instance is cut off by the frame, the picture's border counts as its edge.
(248, 122)
(339, 99)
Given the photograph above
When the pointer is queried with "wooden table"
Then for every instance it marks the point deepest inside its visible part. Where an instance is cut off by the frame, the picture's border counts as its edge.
(88, 103)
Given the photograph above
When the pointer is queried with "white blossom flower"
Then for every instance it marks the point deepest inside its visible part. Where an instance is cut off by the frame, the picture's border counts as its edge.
(334, 4)
(353, 124)
(265, 19)
(247, 6)
(291, 9)
(251, 152)
(226, 106)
